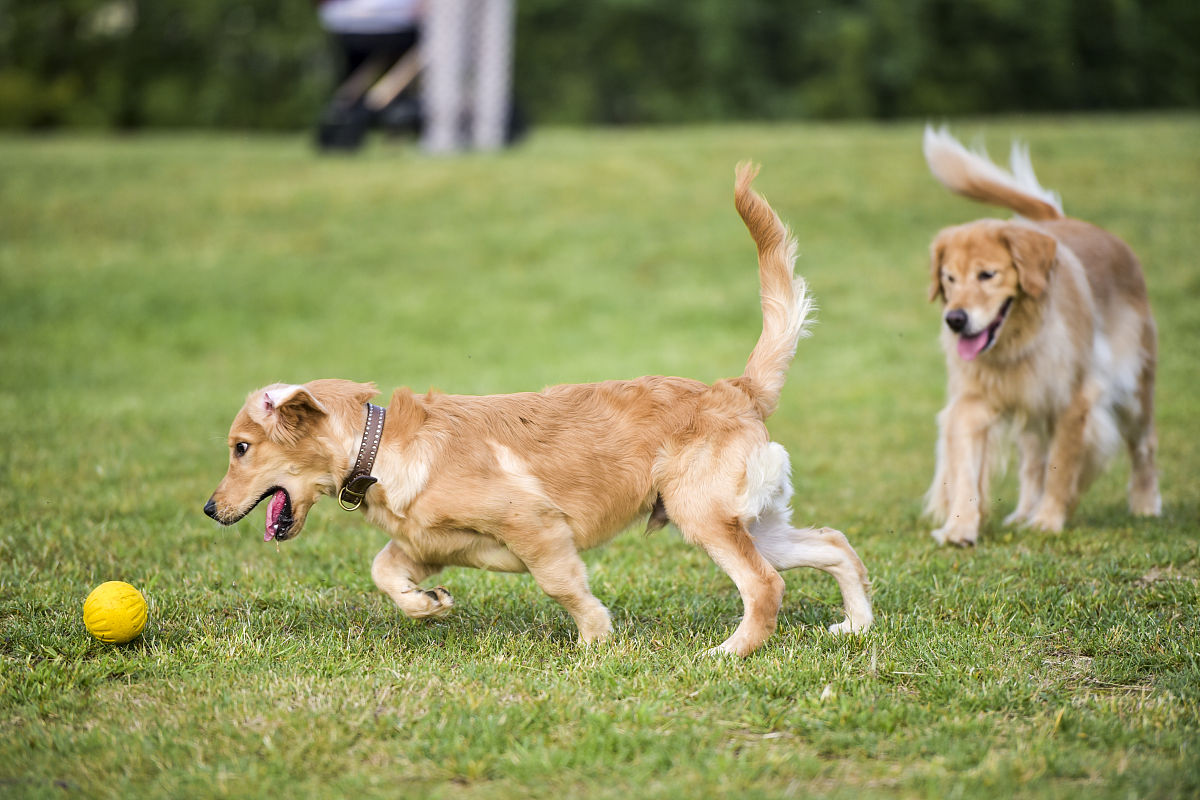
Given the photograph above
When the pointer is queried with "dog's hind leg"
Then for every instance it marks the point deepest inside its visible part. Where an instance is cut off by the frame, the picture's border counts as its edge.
(728, 543)
(399, 576)
(1142, 442)
(1144, 497)
(825, 549)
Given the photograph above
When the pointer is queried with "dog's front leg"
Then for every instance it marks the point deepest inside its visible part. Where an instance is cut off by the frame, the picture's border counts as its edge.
(552, 560)
(399, 577)
(967, 421)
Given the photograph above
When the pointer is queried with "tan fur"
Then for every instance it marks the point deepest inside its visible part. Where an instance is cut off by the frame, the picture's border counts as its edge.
(1072, 364)
(523, 482)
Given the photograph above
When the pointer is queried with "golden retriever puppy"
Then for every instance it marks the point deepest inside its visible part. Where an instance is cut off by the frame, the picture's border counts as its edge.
(523, 482)
(1048, 334)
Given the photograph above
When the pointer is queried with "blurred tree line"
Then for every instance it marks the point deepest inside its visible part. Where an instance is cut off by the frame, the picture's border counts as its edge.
(266, 63)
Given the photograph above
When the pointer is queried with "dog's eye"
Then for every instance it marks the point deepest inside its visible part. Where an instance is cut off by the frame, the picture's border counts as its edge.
(240, 449)
(948, 278)
(986, 275)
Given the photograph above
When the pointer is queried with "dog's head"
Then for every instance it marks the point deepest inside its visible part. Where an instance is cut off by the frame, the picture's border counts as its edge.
(289, 443)
(980, 270)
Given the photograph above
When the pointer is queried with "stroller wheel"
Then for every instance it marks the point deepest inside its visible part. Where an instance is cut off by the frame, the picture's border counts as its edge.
(343, 129)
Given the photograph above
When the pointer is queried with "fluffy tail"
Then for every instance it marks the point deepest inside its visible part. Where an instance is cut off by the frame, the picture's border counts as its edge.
(972, 174)
(785, 300)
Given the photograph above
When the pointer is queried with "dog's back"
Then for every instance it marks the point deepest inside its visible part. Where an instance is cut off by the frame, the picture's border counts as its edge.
(1113, 271)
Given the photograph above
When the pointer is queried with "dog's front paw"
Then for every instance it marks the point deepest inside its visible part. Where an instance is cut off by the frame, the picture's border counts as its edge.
(593, 622)
(720, 651)
(961, 535)
(1048, 520)
(739, 644)
(435, 602)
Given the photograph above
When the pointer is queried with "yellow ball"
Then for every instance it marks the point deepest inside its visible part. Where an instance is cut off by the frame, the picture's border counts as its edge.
(114, 612)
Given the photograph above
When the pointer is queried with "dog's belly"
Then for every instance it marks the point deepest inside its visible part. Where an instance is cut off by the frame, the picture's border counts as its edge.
(444, 543)
(471, 549)
(460, 548)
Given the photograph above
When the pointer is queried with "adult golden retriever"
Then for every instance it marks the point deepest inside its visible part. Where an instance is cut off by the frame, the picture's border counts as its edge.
(523, 482)
(1047, 333)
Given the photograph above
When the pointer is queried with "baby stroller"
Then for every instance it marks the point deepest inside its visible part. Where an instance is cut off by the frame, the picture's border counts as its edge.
(382, 93)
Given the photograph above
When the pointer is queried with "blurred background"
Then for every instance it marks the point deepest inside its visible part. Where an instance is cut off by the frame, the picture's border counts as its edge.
(267, 64)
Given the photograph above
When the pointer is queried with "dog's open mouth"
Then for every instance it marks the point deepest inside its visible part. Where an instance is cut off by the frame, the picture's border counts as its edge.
(970, 346)
(279, 515)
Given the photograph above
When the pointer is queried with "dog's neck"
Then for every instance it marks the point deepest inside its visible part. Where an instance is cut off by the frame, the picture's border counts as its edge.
(359, 480)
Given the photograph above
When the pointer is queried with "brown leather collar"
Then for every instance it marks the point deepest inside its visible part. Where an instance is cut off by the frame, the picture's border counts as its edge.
(354, 489)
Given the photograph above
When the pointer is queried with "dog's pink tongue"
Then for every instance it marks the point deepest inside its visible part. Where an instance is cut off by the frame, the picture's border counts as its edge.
(971, 346)
(274, 509)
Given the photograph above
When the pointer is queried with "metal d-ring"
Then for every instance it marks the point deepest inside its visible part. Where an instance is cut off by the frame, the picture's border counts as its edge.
(342, 499)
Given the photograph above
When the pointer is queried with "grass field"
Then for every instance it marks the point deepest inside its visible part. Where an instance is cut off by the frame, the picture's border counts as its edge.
(148, 283)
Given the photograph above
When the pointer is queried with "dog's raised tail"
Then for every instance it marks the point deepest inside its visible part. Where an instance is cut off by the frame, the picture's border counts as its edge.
(785, 301)
(972, 174)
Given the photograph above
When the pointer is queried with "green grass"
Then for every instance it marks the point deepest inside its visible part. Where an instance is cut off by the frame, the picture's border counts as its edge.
(148, 283)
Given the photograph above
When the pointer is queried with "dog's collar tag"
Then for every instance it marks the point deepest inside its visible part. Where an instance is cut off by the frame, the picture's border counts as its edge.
(360, 478)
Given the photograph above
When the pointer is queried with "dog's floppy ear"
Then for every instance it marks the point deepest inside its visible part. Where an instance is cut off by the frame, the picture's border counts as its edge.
(937, 253)
(1033, 255)
(284, 411)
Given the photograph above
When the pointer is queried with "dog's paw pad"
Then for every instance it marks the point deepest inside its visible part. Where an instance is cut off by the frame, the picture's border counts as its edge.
(443, 598)
(437, 602)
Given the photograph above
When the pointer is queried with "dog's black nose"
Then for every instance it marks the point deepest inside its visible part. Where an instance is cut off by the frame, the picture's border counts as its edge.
(210, 508)
(956, 320)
